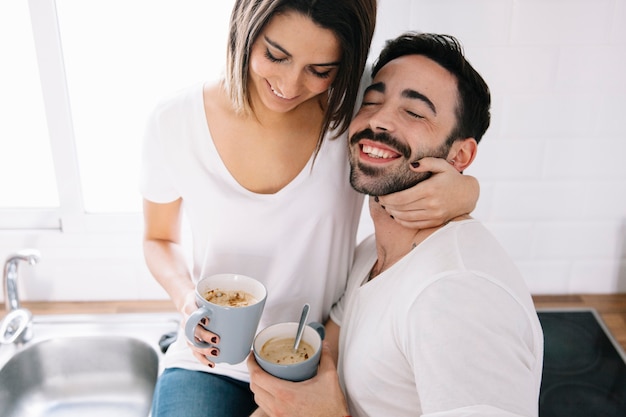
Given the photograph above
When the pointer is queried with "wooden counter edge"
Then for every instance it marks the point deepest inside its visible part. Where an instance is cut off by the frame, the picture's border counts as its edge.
(611, 307)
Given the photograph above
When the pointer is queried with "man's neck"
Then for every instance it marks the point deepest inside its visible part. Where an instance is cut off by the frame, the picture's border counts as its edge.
(394, 241)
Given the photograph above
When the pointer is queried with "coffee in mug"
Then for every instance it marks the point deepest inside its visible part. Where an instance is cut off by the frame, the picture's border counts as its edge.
(230, 298)
(280, 351)
(278, 359)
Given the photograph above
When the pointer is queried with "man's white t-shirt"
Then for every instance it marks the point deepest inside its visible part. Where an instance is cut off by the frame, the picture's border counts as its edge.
(449, 330)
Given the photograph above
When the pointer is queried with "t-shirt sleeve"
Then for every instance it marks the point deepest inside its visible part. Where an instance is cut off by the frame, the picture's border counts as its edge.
(478, 352)
(156, 179)
(364, 259)
(336, 313)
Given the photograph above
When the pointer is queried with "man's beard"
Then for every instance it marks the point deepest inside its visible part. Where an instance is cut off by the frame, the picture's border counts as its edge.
(373, 180)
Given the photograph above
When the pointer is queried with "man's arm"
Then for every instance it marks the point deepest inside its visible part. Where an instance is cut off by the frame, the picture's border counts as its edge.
(320, 396)
(332, 338)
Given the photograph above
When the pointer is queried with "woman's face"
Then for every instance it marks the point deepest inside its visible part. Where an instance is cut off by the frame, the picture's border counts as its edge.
(292, 61)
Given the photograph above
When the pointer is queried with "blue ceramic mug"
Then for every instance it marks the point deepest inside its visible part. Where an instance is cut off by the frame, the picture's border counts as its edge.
(303, 368)
(233, 320)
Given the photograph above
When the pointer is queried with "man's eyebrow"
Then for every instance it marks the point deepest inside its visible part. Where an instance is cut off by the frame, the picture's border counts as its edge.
(415, 95)
(408, 93)
(284, 51)
(378, 87)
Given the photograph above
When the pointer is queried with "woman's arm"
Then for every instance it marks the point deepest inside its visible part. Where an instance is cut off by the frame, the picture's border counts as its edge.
(163, 252)
(167, 263)
(435, 201)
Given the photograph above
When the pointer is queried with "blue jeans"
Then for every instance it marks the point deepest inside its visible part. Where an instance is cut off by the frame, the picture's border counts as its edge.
(181, 392)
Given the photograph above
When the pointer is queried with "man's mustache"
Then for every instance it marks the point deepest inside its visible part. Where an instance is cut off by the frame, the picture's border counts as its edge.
(384, 138)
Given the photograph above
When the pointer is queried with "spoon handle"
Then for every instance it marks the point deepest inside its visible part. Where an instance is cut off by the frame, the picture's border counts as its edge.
(301, 324)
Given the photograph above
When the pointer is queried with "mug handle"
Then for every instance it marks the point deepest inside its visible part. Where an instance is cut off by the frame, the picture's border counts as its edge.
(319, 328)
(192, 322)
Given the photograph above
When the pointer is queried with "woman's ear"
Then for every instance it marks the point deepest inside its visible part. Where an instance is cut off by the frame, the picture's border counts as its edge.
(462, 153)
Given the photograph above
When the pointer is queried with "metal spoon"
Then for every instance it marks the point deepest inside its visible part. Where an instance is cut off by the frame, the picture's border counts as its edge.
(303, 319)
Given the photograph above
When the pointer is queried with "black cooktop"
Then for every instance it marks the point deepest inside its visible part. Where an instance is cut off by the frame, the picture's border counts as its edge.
(584, 369)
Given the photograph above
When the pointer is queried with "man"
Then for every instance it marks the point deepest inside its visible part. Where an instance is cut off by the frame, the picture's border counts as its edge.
(435, 322)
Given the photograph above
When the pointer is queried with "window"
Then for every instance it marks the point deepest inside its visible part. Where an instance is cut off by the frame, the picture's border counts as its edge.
(26, 169)
(85, 75)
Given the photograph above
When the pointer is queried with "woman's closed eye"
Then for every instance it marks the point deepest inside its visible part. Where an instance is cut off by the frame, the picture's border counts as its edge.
(320, 74)
(272, 58)
(312, 70)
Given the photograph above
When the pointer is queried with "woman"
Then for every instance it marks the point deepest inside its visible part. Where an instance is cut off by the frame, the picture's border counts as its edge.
(260, 162)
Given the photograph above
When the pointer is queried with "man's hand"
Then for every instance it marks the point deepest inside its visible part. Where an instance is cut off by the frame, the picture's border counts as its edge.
(444, 196)
(320, 396)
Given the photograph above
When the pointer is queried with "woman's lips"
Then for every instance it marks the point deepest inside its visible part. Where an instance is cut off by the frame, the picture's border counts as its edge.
(277, 93)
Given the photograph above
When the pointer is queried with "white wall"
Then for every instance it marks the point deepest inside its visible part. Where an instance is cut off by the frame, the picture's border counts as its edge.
(551, 167)
(553, 179)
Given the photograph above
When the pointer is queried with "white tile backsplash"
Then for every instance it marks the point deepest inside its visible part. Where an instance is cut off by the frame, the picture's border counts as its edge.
(604, 200)
(515, 69)
(537, 201)
(577, 241)
(499, 159)
(586, 277)
(552, 166)
(610, 120)
(593, 68)
(618, 27)
(548, 115)
(561, 22)
(572, 160)
(547, 277)
(478, 22)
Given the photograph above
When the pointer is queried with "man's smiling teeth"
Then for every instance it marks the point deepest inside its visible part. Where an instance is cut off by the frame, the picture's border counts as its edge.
(377, 152)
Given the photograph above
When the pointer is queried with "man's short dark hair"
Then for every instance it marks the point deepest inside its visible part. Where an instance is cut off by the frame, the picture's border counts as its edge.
(473, 115)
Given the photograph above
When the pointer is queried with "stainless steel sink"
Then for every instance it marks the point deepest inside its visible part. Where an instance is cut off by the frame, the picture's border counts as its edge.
(92, 365)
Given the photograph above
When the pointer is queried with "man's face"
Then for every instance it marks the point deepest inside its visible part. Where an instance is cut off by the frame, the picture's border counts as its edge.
(407, 113)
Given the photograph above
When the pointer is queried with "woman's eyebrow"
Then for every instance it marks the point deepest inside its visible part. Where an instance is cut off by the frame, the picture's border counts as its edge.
(284, 51)
(277, 46)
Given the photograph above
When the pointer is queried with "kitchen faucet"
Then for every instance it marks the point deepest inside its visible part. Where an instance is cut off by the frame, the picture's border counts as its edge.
(15, 327)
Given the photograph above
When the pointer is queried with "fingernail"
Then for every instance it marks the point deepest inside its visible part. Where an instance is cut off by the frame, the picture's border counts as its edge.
(391, 216)
(415, 164)
(211, 365)
(214, 339)
(214, 352)
(376, 199)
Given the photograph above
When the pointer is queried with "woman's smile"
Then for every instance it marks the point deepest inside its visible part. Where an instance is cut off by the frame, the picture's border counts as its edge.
(296, 58)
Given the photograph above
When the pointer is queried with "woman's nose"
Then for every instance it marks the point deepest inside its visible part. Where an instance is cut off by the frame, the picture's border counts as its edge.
(289, 84)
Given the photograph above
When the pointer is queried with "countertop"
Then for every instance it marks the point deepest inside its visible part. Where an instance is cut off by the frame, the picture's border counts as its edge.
(611, 307)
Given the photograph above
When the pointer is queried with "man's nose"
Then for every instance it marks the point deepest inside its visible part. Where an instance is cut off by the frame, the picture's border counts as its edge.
(382, 119)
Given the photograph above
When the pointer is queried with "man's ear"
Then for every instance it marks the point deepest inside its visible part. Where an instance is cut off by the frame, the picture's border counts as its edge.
(462, 153)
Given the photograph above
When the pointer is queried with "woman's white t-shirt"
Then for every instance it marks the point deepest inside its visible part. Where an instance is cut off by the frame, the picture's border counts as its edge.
(299, 241)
